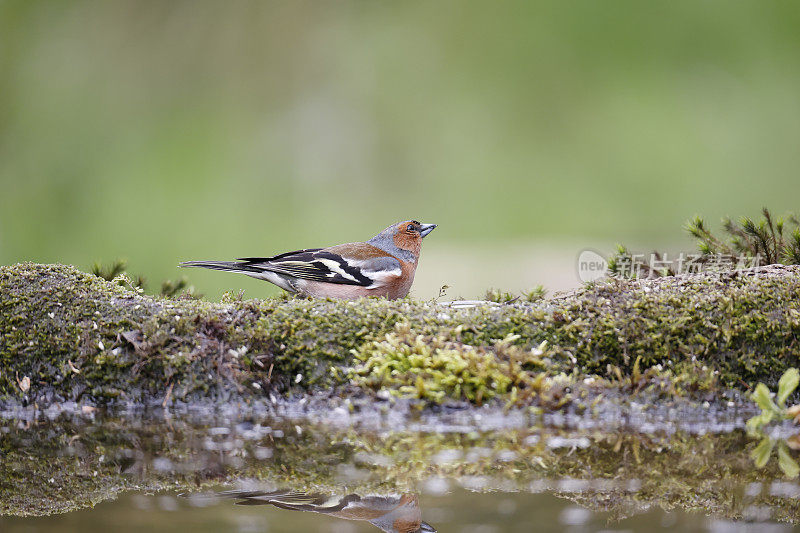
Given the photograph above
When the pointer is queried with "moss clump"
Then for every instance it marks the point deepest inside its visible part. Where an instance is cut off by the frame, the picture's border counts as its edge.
(747, 244)
(77, 336)
(437, 369)
(535, 294)
(745, 325)
(769, 240)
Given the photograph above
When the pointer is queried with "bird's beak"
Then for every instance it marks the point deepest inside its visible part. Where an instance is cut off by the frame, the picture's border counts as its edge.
(426, 228)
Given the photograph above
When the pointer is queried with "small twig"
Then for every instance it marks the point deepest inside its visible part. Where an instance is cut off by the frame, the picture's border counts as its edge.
(167, 397)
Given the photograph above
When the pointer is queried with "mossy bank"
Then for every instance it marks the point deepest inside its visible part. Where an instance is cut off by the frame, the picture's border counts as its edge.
(69, 335)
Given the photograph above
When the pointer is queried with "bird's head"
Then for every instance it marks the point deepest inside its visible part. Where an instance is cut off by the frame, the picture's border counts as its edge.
(404, 236)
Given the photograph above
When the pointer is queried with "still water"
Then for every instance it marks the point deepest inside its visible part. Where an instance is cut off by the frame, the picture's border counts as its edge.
(86, 470)
(456, 510)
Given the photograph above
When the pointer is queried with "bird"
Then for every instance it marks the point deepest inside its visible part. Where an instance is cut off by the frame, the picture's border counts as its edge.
(382, 266)
(393, 513)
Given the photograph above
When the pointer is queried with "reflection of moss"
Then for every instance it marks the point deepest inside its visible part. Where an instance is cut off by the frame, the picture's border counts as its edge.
(619, 471)
(75, 335)
(54, 470)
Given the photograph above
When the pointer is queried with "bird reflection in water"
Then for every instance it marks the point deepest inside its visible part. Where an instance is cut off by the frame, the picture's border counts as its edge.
(396, 514)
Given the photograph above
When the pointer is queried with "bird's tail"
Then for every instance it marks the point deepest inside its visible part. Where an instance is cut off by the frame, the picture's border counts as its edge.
(285, 499)
(229, 266)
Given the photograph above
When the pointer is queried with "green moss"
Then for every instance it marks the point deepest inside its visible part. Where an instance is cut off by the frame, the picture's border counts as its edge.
(435, 368)
(76, 336)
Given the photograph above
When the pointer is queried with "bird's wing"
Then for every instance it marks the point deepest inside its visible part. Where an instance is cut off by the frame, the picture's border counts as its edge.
(347, 264)
(291, 500)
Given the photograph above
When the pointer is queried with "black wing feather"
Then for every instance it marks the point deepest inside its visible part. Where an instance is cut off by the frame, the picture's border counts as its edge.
(309, 264)
(297, 253)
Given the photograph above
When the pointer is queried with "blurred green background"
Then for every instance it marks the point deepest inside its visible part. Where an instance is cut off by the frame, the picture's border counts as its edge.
(166, 131)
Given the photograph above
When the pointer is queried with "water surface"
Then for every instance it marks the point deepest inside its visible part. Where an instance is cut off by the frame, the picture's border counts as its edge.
(82, 469)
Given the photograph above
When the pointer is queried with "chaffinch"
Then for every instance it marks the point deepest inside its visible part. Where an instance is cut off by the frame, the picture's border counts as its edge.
(382, 266)
(399, 514)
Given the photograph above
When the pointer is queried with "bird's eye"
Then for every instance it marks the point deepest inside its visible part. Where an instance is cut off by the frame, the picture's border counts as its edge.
(410, 227)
